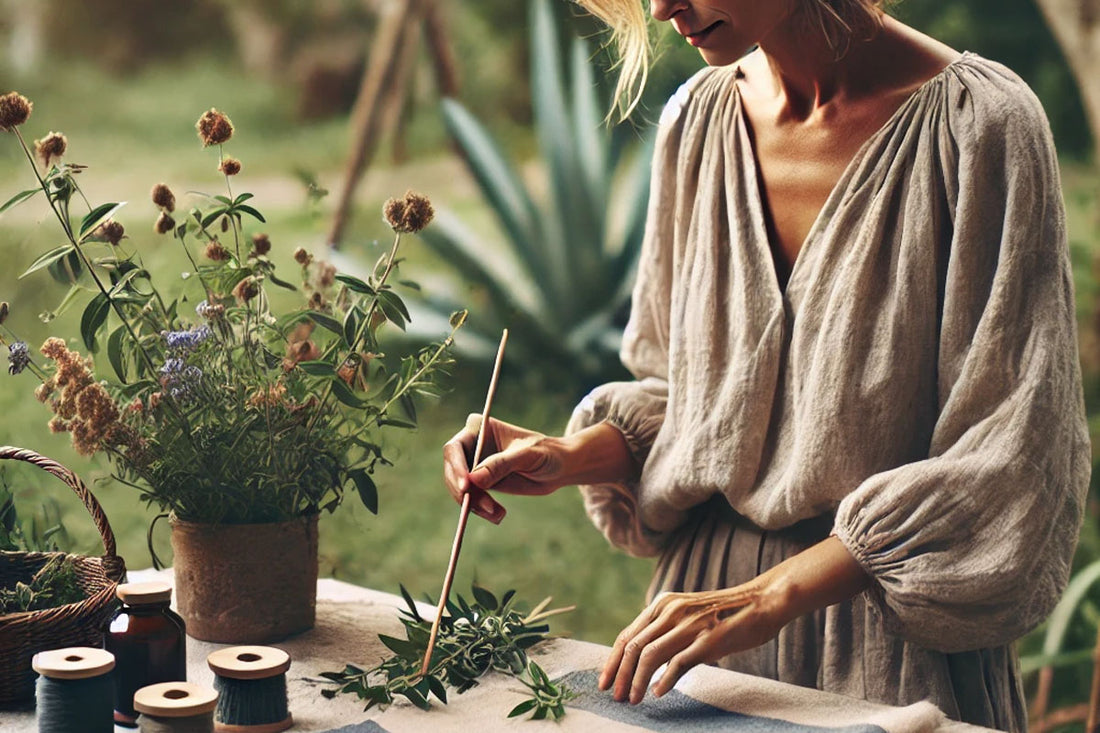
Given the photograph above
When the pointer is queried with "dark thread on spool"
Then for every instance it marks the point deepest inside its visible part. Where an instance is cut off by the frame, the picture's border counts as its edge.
(76, 706)
(251, 702)
(203, 723)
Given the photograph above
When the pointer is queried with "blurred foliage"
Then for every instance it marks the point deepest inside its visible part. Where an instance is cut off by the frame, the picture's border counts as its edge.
(564, 286)
(1014, 33)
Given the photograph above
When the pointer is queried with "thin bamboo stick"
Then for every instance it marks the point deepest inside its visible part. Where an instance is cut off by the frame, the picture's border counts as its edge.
(464, 512)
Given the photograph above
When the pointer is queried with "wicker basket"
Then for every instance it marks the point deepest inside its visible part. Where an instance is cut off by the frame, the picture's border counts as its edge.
(74, 624)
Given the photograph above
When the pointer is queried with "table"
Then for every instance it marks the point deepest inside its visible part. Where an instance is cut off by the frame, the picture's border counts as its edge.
(707, 699)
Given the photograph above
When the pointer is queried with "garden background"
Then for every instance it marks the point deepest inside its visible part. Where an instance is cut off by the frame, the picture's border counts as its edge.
(125, 81)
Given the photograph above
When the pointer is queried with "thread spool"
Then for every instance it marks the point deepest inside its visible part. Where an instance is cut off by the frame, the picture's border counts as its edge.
(75, 691)
(251, 685)
(176, 707)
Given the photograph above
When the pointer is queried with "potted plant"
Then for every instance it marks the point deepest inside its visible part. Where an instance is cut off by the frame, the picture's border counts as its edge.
(239, 422)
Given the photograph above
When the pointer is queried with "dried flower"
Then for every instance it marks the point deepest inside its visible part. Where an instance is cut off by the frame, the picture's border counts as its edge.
(4, 310)
(44, 390)
(230, 166)
(163, 197)
(58, 425)
(214, 128)
(246, 290)
(209, 311)
(326, 274)
(14, 110)
(302, 257)
(110, 231)
(271, 396)
(165, 223)
(136, 406)
(50, 148)
(19, 357)
(154, 400)
(261, 244)
(409, 214)
(215, 251)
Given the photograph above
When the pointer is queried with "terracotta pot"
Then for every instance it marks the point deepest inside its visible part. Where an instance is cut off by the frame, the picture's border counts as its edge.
(246, 583)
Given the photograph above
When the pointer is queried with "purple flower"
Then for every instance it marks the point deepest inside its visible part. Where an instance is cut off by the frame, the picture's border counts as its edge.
(19, 356)
(183, 342)
(179, 379)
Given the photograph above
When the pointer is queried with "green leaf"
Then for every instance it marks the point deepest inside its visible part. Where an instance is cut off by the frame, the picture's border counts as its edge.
(438, 689)
(393, 299)
(407, 404)
(66, 270)
(97, 216)
(399, 646)
(1063, 613)
(417, 699)
(19, 198)
(251, 212)
(393, 314)
(123, 281)
(351, 326)
(355, 284)
(484, 597)
(326, 322)
(540, 714)
(411, 603)
(343, 393)
(368, 494)
(95, 315)
(114, 352)
(317, 368)
(241, 198)
(213, 216)
(524, 707)
(48, 259)
(281, 283)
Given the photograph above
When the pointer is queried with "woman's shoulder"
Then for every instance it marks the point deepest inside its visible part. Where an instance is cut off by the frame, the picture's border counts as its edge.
(986, 98)
(703, 84)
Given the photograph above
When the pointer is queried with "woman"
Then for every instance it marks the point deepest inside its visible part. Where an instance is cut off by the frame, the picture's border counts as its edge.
(856, 438)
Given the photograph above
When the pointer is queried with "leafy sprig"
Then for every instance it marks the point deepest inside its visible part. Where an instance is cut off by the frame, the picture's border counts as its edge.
(474, 639)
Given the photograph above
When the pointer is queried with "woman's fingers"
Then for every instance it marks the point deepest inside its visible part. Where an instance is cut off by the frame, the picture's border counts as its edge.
(619, 649)
(457, 453)
(657, 652)
(680, 663)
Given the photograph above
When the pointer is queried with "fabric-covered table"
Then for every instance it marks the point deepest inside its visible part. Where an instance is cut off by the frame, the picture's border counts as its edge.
(706, 700)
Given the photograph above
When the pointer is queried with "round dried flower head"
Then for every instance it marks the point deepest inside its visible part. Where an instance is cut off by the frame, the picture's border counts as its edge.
(215, 251)
(165, 223)
(50, 148)
(261, 244)
(14, 110)
(163, 197)
(230, 166)
(302, 257)
(246, 290)
(111, 231)
(5, 309)
(409, 214)
(214, 128)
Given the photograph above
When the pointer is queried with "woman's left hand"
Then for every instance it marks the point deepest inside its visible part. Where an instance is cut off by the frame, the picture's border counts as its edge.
(686, 629)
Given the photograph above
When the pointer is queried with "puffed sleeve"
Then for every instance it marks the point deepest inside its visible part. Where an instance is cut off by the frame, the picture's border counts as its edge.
(972, 547)
(637, 408)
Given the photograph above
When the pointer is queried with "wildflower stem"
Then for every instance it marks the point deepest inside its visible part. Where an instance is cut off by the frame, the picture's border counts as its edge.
(420, 372)
(67, 227)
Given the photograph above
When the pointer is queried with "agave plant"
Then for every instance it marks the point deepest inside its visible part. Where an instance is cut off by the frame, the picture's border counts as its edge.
(562, 284)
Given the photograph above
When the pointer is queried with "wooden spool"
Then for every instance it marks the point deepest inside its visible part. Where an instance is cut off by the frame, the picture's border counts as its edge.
(73, 663)
(250, 663)
(175, 700)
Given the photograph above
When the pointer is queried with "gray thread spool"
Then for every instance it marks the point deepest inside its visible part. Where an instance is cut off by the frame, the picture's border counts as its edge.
(251, 684)
(176, 707)
(75, 691)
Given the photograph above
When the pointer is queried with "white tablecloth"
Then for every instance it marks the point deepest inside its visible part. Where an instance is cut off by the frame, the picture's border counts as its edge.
(349, 619)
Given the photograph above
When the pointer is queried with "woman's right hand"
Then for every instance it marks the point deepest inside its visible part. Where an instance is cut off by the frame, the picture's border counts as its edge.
(513, 460)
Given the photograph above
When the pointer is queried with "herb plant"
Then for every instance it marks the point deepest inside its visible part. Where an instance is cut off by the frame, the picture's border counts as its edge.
(474, 638)
(216, 406)
(54, 584)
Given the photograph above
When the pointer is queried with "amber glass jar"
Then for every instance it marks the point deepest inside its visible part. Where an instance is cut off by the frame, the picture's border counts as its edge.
(149, 642)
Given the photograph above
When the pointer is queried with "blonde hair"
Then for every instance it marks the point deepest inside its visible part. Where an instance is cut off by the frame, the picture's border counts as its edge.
(839, 21)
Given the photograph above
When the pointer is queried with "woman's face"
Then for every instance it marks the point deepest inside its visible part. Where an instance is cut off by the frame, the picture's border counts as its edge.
(723, 30)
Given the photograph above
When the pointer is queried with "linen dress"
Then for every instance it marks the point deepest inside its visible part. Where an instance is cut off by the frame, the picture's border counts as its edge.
(914, 390)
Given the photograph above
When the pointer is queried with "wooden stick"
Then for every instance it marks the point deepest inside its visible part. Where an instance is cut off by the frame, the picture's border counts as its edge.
(464, 512)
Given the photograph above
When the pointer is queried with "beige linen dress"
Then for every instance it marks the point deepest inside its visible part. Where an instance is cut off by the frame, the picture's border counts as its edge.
(914, 389)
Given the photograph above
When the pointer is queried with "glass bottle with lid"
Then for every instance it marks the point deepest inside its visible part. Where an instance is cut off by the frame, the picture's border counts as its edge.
(149, 642)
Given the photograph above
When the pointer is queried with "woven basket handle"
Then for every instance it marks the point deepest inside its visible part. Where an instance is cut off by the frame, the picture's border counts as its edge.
(8, 452)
